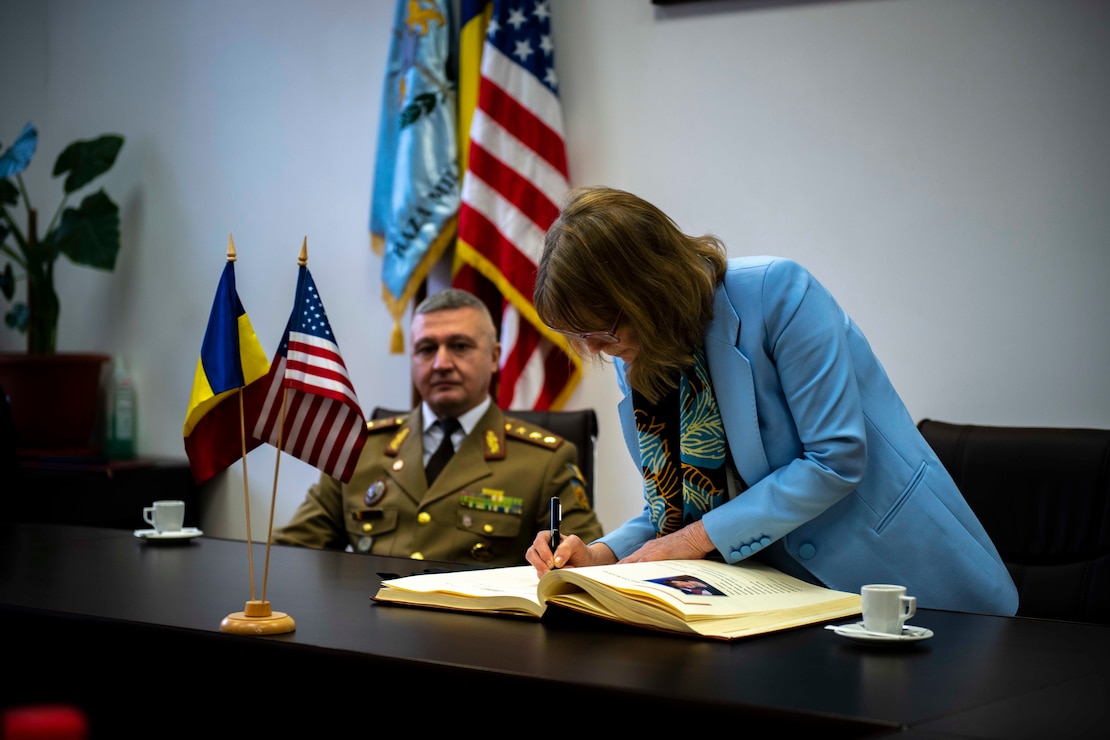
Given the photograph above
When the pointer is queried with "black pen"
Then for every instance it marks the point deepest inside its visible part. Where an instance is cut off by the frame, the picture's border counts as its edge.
(556, 519)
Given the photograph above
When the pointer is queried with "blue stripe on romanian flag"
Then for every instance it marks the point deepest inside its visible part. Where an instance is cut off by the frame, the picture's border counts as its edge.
(231, 358)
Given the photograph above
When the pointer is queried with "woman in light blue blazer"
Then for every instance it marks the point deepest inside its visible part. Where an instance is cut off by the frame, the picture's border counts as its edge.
(763, 423)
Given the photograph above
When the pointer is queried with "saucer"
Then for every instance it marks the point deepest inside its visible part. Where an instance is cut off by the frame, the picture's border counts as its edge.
(185, 533)
(857, 632)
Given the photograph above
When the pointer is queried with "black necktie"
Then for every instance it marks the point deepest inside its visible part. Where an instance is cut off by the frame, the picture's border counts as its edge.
(443, 453)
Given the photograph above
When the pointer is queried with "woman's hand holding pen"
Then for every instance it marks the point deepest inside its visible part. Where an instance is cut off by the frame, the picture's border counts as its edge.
(689, 543)
(571, 553)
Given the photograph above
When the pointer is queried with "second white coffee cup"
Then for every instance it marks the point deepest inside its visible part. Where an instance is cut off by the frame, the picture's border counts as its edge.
(886, 608)
(165, 516)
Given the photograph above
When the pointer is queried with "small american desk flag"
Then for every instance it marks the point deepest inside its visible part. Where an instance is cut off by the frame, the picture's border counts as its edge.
(324, 425)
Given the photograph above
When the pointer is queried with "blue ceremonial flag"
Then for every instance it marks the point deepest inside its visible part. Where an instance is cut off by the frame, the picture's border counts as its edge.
(231, 358)
(415, 201)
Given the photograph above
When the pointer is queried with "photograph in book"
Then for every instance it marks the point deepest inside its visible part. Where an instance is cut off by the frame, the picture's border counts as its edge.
(695, 597)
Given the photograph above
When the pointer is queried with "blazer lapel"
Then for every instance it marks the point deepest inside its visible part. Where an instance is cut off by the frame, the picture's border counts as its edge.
(628, 425)
(735, 390)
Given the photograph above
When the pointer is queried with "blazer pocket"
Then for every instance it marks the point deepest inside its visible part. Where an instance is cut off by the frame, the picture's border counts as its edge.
(902, 498)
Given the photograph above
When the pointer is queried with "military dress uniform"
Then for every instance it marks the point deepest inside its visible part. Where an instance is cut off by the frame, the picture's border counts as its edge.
(485, 507)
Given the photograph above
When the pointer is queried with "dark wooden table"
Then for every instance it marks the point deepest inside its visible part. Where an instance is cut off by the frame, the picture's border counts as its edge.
(114, 624)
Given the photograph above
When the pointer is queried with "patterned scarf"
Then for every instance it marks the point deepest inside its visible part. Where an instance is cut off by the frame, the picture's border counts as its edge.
(682, 450)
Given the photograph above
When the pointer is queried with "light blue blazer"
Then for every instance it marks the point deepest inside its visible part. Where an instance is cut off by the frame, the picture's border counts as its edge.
(839, 479)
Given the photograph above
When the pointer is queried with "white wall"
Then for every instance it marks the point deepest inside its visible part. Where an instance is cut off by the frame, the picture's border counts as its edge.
(941, 165)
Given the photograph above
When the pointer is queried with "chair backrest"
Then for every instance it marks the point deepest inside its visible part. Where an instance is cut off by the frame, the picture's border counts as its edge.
(9, 458)
(1043, 495)
(579, 427)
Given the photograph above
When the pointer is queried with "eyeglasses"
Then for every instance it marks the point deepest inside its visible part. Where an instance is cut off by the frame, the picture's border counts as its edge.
(608, 336)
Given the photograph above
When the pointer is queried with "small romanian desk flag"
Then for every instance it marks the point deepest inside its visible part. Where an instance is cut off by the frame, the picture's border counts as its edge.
(231, 358)
(308, 386)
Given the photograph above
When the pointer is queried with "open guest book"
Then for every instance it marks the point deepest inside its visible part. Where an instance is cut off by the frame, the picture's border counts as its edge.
(694, 597)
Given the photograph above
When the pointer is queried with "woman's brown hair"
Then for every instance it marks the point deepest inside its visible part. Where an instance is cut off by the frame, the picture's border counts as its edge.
(610, 251)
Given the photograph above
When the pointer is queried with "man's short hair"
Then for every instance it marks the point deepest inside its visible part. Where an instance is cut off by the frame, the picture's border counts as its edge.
(451, 298)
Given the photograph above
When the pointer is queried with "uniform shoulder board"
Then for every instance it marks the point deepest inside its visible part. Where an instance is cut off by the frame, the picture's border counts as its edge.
(374, 426)
(526, 432)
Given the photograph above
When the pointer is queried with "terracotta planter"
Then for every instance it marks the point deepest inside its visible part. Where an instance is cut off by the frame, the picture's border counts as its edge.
(56, 401)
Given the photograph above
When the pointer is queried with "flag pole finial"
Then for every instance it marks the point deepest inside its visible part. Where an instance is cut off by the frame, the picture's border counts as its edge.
(302, 260)
(230, 248)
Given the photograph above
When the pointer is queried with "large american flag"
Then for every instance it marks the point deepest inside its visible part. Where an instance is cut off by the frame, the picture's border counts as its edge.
(308, 384)
(515, 176)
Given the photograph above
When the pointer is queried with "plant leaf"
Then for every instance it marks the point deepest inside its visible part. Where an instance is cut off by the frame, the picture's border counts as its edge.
(8, 193)
(7, 281)
(18, 317)
(87, 160)
(90, 235)
(18, 156)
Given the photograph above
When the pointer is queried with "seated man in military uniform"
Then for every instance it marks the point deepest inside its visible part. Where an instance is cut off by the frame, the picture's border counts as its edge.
(490, 494)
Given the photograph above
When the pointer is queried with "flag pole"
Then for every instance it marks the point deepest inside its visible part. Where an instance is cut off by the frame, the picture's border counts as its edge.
(257, 618)
(231, 257)
(302, 260)
(273, 496)
(246, 490)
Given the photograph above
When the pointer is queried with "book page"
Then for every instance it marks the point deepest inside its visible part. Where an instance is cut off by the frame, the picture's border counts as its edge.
(694, 589)
(702, 597)
(492, 589)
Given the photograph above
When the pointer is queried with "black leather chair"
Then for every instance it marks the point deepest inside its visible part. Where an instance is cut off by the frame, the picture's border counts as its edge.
(1043, 495)
(11, 474)
(579, 426)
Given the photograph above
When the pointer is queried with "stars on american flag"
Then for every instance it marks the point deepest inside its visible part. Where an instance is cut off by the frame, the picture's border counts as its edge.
(309, 408)
(313, 320)
(526, 37)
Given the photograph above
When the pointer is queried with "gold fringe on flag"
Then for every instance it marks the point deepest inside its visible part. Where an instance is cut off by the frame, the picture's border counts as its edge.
(397, 306)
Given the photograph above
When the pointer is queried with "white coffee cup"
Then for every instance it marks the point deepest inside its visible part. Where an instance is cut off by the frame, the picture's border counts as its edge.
(886, 608)
(165, 516)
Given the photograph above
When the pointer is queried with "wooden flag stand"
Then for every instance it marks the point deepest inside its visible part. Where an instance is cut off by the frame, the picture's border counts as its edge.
(257, 618)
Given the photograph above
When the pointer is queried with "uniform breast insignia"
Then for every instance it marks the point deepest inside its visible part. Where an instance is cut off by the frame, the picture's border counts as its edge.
(374, 493)
(490, 499)
(539, 437)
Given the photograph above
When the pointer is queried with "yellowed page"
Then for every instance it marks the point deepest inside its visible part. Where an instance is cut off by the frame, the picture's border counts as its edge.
(700, 597)
(743, 599)
(492, 589)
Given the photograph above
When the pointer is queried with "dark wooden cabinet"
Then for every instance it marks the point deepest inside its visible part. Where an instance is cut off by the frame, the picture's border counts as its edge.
(99, 493)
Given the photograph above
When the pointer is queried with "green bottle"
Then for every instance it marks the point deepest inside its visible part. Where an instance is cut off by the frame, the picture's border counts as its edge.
(120, 442)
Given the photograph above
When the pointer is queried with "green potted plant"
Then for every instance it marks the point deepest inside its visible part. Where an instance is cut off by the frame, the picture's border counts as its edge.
(87, 235)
